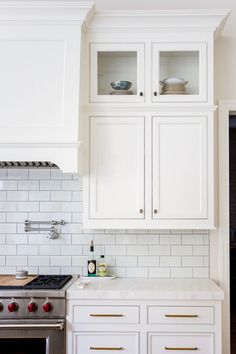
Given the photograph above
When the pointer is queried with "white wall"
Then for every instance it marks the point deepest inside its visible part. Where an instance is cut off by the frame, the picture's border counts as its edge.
(225, 48)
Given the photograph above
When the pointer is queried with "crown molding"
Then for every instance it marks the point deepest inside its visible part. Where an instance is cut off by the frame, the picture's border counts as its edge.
(46, 11)
(210, 20)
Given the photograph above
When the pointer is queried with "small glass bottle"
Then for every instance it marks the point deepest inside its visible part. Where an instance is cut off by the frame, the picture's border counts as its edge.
(102, 267)
(92, 262)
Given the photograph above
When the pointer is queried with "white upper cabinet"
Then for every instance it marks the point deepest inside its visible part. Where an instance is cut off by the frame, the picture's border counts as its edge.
(116, 185)
(149, 99)
(179, 167)
(110, 63)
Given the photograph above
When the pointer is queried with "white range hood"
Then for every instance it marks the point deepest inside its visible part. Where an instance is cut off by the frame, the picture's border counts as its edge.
(40, 86)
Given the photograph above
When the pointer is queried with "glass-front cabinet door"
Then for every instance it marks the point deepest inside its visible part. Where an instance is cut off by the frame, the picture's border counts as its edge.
(116, 72)
(179, 72)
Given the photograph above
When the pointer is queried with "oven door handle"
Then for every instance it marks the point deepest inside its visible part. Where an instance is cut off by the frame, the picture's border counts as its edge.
(58, 325)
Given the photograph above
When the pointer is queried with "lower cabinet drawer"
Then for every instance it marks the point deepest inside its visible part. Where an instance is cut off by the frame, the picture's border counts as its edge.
(170, 343)
(181, 314)
(106, 343)
(106, 314)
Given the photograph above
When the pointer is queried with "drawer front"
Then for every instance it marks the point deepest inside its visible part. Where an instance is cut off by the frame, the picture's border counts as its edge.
(170, 343)
(106, 314)
(106, 343)
(180, 315)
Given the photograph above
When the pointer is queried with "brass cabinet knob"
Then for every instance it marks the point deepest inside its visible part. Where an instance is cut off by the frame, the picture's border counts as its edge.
(155, 211)
(141, 211)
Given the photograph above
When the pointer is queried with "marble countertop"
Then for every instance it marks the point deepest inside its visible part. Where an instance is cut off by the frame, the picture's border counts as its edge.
(147, 288)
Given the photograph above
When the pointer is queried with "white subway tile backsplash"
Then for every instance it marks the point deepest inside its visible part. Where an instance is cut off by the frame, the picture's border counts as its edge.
(60, 261)
(137, 272)
(170, 239)
(159, 250)
(17, 195)
(17, 173)
(148, 261)
(27, 206)
(137, 250)
(49, 194)
(8, 185)
(148, 239)
(192, 239)
(72, 250)
(181, 272)
(106, 239)
(50, 250)
(29, 250)
(115, 250)
(12, 239)
(3, 195)
(38, 261)
(200, 250)
(127, 261)
(50, 206)
(39, 195)
(50, 185)
(200, 272)
(61, 196)
(159, 272)
(16, 217)
(18, 261)
(8, 250)
(39, 174)
(181, 250)
(8, 206)
(124, 239)
(28, 185)
(7, 228)
(170, 261)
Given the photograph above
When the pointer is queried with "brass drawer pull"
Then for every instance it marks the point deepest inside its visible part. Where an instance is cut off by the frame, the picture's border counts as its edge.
(181, 316)
(106, 315)
(106, 348)
(173, 348)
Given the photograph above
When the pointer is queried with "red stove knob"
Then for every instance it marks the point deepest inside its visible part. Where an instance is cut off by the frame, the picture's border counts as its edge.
(13, 306)
(1, 306)
(47, 306)
(32, 306)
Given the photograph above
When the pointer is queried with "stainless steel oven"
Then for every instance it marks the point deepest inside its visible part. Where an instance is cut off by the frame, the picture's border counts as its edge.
(32, 318)
(32, 336)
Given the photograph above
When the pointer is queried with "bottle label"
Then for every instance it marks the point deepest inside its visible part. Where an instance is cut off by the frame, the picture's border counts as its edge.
(91, 268)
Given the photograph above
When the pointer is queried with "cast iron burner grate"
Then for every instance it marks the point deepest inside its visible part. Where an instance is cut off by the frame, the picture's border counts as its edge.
(48, 282)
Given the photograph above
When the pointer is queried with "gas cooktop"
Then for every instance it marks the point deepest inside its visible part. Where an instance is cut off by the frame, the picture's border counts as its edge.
(42, 282)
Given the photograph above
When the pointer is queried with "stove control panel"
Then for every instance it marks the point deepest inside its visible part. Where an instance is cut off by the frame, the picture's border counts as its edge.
(29, 307)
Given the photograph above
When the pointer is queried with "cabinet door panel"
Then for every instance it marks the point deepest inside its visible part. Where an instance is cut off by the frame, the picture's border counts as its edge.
(114, 62)
(105, 343)
(179, 167)
(181, 343)
(116, 167)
